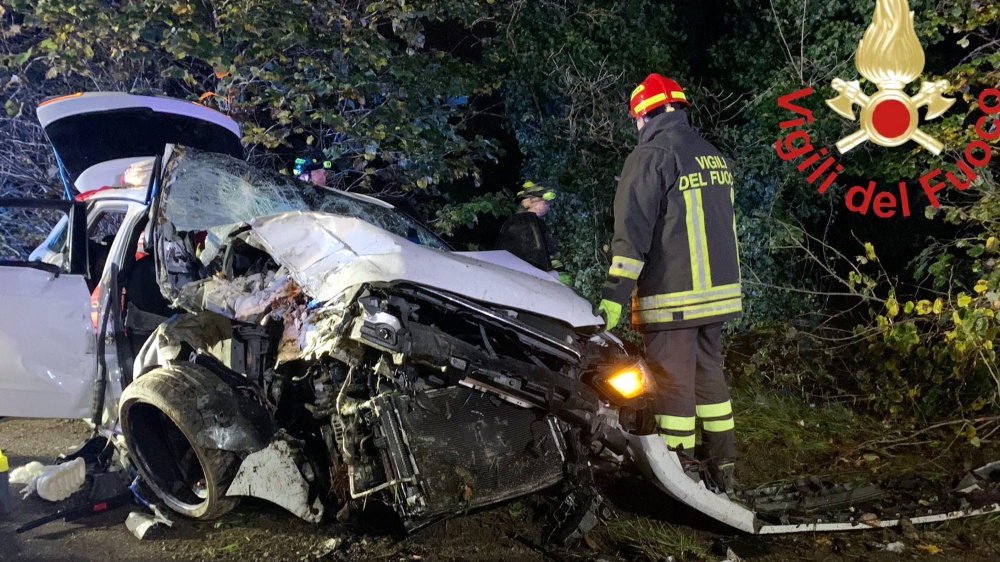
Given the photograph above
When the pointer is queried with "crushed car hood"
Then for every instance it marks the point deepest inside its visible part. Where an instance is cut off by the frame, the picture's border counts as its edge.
(327, 253)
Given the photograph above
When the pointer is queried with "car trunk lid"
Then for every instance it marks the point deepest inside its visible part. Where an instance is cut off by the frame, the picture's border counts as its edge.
(89, 128)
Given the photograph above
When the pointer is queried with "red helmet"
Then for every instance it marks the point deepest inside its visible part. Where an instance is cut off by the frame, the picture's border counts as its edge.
(655, 91)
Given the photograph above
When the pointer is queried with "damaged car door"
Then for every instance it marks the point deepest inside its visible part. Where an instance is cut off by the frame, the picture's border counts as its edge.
(48, 361)
(61, 261)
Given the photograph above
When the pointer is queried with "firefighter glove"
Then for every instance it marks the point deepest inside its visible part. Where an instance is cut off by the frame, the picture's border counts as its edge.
(611, 312)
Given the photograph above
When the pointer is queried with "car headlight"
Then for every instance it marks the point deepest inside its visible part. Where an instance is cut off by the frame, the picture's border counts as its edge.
(625, 382)
(629, 383)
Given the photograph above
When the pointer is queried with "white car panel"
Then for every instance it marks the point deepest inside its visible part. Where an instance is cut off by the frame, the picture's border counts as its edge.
(96, 102)
(663, 469)
(47, 345)
(327, 253)
(503, 258)
(110, 174)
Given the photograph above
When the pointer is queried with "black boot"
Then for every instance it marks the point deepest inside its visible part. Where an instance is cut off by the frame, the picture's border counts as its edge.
(720, 476)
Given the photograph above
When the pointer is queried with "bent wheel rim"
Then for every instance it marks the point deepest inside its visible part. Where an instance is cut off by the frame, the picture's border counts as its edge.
(170, 463)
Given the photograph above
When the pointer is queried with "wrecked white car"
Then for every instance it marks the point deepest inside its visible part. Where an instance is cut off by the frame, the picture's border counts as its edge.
(328, 346)
(265, 337)
(251, 335)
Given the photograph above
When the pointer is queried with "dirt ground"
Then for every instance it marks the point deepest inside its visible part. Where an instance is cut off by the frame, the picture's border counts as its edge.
(258, 531)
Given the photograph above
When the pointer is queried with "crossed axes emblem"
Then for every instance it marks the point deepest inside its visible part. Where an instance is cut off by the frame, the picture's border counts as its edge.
(889, 118)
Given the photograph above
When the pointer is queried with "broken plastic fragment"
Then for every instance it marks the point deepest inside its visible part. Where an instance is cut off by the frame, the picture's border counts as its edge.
(52, 482)
(61, 481)
(272, 474)
(140, 524)
(27, 473)
(896, 547)
(328, 547)
(928, 549)
(732, 556)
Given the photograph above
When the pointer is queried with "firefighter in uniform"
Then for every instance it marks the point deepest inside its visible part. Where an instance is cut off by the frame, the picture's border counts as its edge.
(312, 167)
(675, 253)
(525, 234)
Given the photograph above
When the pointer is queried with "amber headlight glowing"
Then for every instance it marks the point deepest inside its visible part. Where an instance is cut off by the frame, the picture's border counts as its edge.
(629, 383)
(621, 383)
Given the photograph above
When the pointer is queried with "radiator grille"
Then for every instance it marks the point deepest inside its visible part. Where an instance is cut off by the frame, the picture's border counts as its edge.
(471, 449)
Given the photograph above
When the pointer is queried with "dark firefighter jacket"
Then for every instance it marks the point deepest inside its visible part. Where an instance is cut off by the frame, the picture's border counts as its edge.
(675, 230)
(526, 236)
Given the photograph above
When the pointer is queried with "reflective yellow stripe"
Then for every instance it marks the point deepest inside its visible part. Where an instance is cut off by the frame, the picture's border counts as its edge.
(692, 235)
(689, 297)
(714, 410)
(625, 267)
(719, 426)
(706, 265)
(639, 109)
(637, 89)
(679, 95)
(688, 312)
(726, 307)
(675, 442)
(701, 274)
(675, 423)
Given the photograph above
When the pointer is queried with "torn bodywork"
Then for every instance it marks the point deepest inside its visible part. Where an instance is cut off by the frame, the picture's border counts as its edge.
(387, 367)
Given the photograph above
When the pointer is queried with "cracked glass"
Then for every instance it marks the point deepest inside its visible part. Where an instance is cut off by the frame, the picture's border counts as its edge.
(208, 191)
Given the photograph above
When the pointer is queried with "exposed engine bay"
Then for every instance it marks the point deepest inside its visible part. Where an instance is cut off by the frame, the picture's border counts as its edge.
(427, 399)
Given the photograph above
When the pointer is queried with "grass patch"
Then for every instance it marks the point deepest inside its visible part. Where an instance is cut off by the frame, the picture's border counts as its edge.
(516, 510)
(656, 540)
(764, 416)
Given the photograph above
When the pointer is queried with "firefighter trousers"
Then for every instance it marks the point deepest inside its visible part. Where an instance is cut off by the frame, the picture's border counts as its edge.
(690, 386)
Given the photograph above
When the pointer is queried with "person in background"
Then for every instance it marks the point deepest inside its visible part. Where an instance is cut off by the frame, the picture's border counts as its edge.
(312, 167)
(674, 252)
(525, 234)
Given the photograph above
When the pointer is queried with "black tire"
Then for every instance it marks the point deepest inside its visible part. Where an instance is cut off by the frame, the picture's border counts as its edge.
(160, 420)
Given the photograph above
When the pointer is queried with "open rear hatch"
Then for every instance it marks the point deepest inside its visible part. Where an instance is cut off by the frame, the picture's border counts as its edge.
(94, 127)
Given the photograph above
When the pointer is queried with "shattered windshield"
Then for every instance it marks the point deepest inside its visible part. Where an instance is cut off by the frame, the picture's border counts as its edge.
(204, 191)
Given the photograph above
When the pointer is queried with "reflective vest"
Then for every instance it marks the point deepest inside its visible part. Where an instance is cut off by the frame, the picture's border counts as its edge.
(674, 249)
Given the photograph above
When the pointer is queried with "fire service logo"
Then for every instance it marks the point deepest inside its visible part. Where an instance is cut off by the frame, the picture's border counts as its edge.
(889, 56)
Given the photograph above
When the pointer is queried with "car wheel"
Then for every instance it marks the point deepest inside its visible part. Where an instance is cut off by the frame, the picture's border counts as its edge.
(161, 422)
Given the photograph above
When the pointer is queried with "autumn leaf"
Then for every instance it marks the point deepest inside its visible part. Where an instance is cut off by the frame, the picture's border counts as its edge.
(924, 307)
